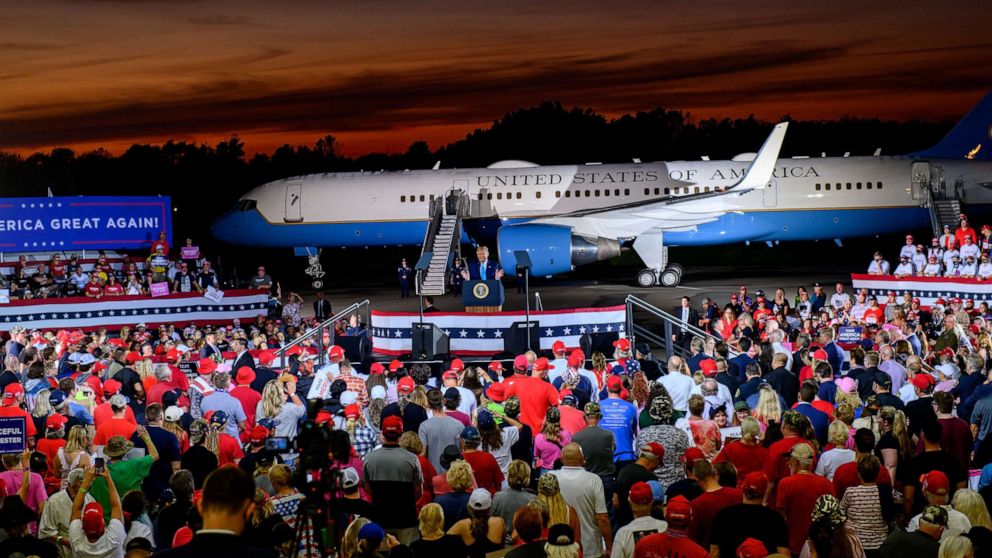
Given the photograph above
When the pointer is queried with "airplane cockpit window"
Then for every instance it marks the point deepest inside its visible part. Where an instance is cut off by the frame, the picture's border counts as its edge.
(245, 205)
(869, 185)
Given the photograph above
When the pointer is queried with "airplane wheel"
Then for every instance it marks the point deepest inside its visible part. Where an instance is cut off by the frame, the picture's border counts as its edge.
(318, 284)
(677, 268)
(646, 278)
(670, 278)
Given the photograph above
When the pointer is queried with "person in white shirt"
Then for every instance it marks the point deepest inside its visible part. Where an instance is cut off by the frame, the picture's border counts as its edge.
(949, 255)
(859, 307)
(947, 239)
(878, 265)
(969, 248)
(559, 363)
(919, 259)
(907, 249)
(79, 278)
(54, 522)
(933, 268)
(984, 269)
(89, 535)
(838, 299)
(970, 267)
(954, 269)
(935, 250)
(641, 497)
(679, 385)
(905, 268)
(831, 460)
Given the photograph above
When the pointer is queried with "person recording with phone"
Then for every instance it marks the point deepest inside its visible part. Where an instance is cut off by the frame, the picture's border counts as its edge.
(90, 532)
(128, 474)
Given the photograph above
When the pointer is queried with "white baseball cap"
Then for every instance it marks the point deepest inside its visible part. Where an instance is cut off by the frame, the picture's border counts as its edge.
(480, 499)
(173, 414)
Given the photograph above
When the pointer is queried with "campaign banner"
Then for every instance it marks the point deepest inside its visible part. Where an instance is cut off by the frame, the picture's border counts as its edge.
(83, 222)
(482, 334)
(189, 252)
(115, 311)
(159, 289)
(13, 434)
(849, 334)
(927, 289)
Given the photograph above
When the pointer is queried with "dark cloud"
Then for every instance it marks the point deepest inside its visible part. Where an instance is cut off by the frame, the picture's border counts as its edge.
(219, 19)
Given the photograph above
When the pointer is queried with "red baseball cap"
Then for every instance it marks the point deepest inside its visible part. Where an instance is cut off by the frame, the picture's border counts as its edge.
(623, 344)
(576, 358)
(558, 346)
(457, 365)
(449, 375)
(335, 352)
(14, 389)
(678, 511)
(132, 357)
(655, 449)
(936, 483)
(245, 376)
(172, 355)
(496, 392)
(258, 434)
(206, 366)
(520, 363)
(755, 484)
(55, 421)
(111, 386)
(93, 523)
(496, 366)
(692, 455)
(753, 548)
(640, 494)
(614, 383)
(406, 385)
(392, 427)
(543, 364)
(377, 368)
(821, 355)
(395, 365)
(266, 357)
(352, 411)
(708, 366)
(923, 381)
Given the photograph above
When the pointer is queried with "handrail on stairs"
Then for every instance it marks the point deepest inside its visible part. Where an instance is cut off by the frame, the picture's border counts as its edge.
(327, 324)
(671, 324)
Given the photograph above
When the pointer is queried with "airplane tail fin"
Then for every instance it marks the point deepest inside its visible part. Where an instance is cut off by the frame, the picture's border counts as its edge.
(759, 172)
(971, 137)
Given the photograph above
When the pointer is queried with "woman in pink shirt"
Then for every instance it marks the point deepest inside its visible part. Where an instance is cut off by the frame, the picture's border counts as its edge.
(548, 444)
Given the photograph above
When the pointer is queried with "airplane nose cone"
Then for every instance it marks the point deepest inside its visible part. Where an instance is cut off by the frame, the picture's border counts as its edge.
(227, 228)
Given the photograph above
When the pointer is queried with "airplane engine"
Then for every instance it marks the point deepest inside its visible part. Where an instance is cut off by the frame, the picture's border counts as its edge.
(553, 249)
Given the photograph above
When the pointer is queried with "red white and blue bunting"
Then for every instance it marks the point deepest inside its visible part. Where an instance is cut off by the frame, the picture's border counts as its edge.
(927, 289)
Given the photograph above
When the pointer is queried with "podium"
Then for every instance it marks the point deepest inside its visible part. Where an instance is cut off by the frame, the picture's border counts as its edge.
(483, 297)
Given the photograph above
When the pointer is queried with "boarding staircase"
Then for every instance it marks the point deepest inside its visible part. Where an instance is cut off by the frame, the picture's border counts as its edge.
(931, 189)
(442, 241)
(656, 327)
(322, 336)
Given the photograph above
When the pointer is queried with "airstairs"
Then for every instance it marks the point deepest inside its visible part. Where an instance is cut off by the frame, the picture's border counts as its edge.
(442, 241)
(932, 190)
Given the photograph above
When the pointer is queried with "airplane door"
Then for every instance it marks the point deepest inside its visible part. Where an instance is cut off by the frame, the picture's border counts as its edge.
(294, 202)
(921, 178)
(771, 194)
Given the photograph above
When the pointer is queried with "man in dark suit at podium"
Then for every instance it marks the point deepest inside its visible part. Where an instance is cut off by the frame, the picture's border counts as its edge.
(484, 268)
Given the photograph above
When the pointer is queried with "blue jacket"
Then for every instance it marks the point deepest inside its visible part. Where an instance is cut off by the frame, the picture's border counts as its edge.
(491, 269)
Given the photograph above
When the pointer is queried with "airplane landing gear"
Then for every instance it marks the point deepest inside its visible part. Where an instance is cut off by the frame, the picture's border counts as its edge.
(653, 252)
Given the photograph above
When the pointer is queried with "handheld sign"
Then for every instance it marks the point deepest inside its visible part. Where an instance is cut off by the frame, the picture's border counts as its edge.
(213, 294)
(4, 296)
(13, 434)
(849, 334)
(160, 289)
(190, 252)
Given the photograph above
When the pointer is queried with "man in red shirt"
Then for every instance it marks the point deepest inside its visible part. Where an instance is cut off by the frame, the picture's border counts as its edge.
(541, 368)
(93, 289)
(11, 406)
(846, 475)
(102, 412)
(248, 397)
(520, 366)
(536, 396)
(674, 542)
(484, 467)
(797, 494)
(118, 425)
(777, 466)
(713, 499)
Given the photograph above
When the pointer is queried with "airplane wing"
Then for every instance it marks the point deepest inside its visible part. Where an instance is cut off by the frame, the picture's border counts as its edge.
(673, 213)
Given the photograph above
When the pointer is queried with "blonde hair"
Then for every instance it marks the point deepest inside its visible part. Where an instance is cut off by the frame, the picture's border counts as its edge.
(557, 507)
(853, 399)
(79, 439)
(561, 551)
(957, 546)
(419, 396)
(518, 474)
(750, 430)
(42, 407)
(900, 430)
(459, 476)
(838, 433)
(431, 521)
(768, 409)
(972, 505)
(411, 442)
(349, 542)
(280, 473)
(272, 400)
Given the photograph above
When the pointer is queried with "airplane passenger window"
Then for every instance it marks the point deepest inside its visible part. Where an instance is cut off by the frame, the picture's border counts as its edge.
(587, 193)
(597, 193)
(879, 185)
(568, 193)
(706, 189)
(480, 196)
(647, 191)
(859, 186)
(667, 191)
(537, 194)
(827, 185)
(848, 185)
(499, 195)
(489, 196)
(869, 185)
(607, 193)
(402, 198)
(432, 197)
(656, 190)
(557, 193)
(696, 190)
(520, 195)
(626, 192)
(817, 187)
(421, 197)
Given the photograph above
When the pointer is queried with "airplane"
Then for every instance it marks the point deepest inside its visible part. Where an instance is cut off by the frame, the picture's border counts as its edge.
(570, 215)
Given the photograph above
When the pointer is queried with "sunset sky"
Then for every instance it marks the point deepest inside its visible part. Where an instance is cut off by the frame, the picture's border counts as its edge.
(380, 74)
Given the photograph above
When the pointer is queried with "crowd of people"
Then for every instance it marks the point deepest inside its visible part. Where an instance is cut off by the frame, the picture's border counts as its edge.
(961, 253)
(770, 435)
